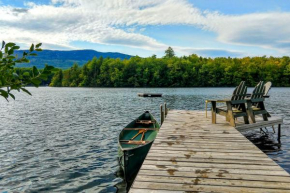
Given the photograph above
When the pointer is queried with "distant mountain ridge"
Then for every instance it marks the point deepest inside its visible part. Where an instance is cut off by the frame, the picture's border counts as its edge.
(65, 59)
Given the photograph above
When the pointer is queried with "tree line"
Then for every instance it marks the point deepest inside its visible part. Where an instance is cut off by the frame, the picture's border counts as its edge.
(172, 71)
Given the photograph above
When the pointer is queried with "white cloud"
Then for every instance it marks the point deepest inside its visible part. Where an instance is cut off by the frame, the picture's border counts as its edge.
(268, 30)
(72, 21)
(115, 21)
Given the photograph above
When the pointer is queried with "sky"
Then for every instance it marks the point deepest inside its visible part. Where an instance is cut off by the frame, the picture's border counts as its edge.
(208, 28)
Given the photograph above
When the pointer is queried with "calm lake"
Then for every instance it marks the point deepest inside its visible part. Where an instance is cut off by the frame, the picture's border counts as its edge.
(65, 139)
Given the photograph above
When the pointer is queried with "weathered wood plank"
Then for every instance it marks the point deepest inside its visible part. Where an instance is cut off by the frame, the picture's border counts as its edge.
(205, 149)
(215, 170)
(211, 165)
(217, 182)
(137, 190)
(204, 188)
(214, 175)
(202, 146)
(240, 157)
(223, 161)
(200, 141)
(207, 153)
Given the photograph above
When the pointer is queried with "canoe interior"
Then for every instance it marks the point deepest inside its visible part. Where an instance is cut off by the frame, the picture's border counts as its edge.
(148, 136)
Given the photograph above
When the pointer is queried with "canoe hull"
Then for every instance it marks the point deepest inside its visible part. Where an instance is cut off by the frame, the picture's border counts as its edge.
(131, 161)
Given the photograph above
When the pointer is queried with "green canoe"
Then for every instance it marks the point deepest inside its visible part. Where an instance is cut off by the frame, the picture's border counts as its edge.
(135, 141)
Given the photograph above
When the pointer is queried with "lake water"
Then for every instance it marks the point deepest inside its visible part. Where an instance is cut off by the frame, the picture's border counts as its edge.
(65, 139)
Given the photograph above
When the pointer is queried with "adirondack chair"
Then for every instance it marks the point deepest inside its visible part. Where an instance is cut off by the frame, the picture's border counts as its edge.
(256, 104)
(235, 107)
(267, 86)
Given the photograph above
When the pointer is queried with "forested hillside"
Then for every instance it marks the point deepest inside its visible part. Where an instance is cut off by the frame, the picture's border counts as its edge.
(172, 71)
(65, 59)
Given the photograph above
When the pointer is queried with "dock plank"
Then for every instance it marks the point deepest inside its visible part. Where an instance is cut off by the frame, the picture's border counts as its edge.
(192, 155)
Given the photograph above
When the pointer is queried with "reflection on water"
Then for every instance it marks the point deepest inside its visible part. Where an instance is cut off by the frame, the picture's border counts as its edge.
(65, 139)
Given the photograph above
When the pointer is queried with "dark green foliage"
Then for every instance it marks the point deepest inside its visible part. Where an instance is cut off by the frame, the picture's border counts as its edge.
(17, 79)
(171, 71)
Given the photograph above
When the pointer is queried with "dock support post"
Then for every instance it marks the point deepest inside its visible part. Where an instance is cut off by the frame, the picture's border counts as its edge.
(206, 101)
(279, 132)
(161, 114)
(213, 111)
(165, 110)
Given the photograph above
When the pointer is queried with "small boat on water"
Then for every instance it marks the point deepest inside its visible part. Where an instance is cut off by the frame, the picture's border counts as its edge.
(135, 141)
(149, 94)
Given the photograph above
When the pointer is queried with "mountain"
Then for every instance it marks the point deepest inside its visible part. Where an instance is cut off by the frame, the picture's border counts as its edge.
(65, 59)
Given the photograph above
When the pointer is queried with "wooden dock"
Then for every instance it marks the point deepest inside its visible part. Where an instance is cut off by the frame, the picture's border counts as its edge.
(190, 154)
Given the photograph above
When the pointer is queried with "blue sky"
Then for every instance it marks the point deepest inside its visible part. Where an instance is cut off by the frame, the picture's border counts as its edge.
(210, 28)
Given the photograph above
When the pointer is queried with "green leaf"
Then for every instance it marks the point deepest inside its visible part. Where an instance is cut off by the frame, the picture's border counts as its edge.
(12, 95)
(3, 44)
(35, 71)
(33, 54)
(49, 68)
(38, 49)
(6, 49)
(16, 47)
(1, 54)
(10, 57)
(31, 48)
(4, 93)
(24, 60)
(11, 51)
(24, 90)
(26, 74)
(43, 76)
(38, 45)
(15, 75)
(36, 82)
(55, 70)
(10, 44)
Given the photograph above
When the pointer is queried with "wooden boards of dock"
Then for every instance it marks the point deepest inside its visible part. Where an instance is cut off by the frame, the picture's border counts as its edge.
(192, 155)
(149, 94)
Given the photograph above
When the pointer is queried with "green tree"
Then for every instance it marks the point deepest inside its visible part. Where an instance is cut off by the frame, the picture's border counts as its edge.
(169, 53)
(9, 78)
(57, 79)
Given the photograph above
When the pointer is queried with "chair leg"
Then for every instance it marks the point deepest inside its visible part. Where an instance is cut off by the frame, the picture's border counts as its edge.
(250, 111)
(246, 118)
(230, 114)
(227, 118)
(265, 117)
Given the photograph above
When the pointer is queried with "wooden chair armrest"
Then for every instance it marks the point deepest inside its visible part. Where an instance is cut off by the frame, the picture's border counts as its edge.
(218, 100)
(248, 96)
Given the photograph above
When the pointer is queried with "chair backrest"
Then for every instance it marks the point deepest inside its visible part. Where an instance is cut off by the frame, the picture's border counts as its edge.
(267, 88)
(240, 92)
(258, 92)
